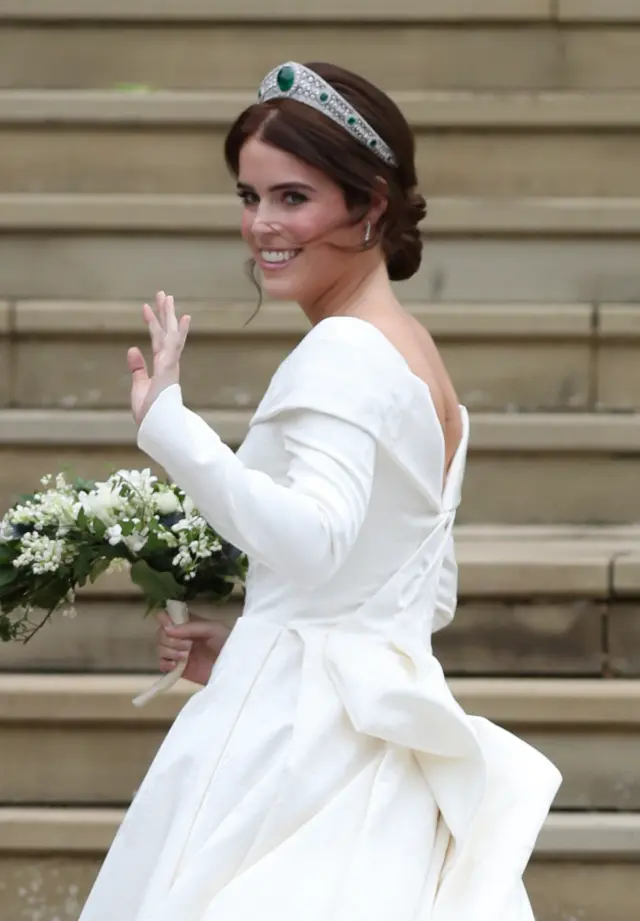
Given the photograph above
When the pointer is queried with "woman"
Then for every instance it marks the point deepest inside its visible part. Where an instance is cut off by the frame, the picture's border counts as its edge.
(324, 772)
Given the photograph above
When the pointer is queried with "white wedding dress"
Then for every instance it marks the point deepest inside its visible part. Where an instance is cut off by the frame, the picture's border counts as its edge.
(326, 773)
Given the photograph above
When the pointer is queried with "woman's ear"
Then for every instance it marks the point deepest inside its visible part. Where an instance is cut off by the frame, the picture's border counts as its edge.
(379, 201)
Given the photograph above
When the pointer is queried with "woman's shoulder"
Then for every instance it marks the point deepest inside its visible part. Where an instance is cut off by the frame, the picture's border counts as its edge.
(345, 348)
(340, 368)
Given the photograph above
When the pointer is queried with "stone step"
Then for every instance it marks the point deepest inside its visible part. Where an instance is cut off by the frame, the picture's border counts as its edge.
(468, 144)
(413, 45)
(333, 11)
(511, 356)
(78, 739)
(584, 866)
(540, 468)
(459, 11)
(458, 216)
(565, 836)
(533, 602)
(525, 357)
(112, 247)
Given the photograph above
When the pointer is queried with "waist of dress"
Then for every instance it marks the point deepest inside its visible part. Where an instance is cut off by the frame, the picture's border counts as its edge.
(366, 621)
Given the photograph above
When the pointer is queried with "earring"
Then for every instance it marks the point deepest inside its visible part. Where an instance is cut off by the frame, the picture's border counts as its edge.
(367, 232)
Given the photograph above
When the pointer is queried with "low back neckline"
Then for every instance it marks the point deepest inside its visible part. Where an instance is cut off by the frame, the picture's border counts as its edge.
(422, 386)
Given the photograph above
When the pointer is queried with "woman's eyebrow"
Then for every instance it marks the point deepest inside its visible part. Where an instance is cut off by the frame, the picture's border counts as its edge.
(279, 187)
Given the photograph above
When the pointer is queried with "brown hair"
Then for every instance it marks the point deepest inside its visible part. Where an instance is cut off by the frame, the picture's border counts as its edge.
(313, 138)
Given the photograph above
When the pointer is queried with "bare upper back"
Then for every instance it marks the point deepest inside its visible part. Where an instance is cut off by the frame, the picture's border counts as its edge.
(417, 347)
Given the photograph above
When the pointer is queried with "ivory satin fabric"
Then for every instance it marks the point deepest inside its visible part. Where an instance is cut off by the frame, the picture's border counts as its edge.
(326, 773)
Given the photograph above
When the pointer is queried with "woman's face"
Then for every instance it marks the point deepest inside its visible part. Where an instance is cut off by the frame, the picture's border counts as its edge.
(295, 221)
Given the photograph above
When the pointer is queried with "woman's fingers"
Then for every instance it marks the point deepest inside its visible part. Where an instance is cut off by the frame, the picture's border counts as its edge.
(168, 333)
(165, 306)
(161, 300)
(155, 329)
(171, 648)
(177, 644)
(167, 665)
(196, 630)
(183, 329)
(171, 654)
(170, 315)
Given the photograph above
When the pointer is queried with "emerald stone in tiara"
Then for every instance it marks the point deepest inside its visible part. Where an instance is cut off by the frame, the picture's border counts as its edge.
(295, 81)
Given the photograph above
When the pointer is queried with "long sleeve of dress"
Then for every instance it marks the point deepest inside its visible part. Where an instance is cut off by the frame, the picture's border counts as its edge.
(303, 529)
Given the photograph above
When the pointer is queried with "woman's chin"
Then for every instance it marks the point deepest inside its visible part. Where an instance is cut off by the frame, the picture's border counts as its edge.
(282, 288)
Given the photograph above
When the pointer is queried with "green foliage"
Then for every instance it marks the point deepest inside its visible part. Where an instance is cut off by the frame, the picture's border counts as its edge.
(55, 540)
(157, 587)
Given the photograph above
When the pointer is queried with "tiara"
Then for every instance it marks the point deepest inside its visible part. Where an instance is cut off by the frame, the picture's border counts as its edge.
(295, 81)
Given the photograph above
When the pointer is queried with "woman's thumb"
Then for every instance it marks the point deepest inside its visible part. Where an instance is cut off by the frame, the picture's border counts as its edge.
(137, 365)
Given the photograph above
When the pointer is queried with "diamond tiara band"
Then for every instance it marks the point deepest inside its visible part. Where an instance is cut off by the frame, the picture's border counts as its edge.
(294, 81)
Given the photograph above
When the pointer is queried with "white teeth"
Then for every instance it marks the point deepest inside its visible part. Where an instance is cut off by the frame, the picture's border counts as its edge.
(278, 255)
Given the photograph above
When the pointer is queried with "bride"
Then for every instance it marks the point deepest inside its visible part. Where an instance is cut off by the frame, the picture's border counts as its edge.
(324, 772)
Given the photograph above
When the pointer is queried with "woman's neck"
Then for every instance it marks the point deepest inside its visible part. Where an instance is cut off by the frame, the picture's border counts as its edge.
(355, 297)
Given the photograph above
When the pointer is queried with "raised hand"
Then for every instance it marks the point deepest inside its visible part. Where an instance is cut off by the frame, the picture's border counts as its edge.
(168, 336)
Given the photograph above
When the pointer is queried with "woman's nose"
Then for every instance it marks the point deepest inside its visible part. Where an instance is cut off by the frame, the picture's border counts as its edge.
(263, 224)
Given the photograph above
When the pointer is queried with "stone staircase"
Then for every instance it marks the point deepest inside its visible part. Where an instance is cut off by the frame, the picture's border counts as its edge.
(112, 184)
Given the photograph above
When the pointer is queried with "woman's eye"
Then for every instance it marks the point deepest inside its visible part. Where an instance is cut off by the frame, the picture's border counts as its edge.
(248, 198)
(295, 198)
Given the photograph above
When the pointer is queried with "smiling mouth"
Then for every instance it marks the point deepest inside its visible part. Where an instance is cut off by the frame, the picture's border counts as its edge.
(277, 258)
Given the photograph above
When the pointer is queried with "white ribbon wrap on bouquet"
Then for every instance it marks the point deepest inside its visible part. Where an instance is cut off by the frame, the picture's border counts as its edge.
(179, 614)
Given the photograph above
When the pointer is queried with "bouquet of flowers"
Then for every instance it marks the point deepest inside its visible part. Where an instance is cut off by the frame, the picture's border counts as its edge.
(71, 531)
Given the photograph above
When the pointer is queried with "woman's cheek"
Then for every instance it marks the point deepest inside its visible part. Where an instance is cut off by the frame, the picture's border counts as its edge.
(245, 226)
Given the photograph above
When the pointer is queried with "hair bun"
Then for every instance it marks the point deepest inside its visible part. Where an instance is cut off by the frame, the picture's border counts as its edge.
(403, 241)
(416, 207)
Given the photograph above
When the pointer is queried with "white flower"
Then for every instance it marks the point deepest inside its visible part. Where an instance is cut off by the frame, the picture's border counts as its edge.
(70, 609)
(188, 506)
(114, 534)
(141, 481)
(6, 530)
(118, 565)
(42, 554)
(103, 503)
(183, 525)
(135, 542)
(166, 502)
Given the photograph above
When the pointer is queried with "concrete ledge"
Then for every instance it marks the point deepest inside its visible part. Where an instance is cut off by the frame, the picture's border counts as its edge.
(454, 11)
(598, 11)
(552, 569)
(618, 321)
(424, 110)
(535, 702)
(84, 831)
(626, 575)
(584, 534)
(568, 433)
(55, 831)
(87, 428)
(280, 10)
(464, 321)
(556, 432)
(220, 214)
(505, 562)
(567, 836)
(491, 432)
